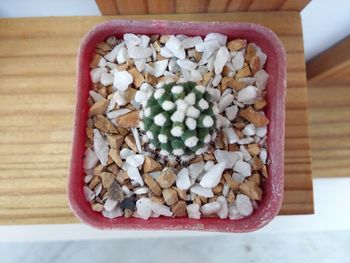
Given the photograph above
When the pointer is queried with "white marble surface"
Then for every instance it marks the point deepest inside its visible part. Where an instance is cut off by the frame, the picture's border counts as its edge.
(261, 247)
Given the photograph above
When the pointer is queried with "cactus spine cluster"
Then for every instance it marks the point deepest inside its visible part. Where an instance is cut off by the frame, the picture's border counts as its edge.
(178, 119)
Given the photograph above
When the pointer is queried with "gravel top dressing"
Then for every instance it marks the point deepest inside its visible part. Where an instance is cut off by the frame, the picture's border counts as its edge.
(176, 127)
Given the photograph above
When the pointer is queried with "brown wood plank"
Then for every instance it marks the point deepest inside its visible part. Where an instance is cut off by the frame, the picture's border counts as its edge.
(216, 6)
(38, 102)
(193, 6)
(332, 66)
(137, 7)
(161, 7)
(107, 8)
(330, 130)
(131, 7)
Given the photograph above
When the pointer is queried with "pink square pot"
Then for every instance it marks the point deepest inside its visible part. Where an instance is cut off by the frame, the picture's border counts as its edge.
(276, 90)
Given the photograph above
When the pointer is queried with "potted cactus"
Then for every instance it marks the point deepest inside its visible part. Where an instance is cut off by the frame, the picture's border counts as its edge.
(179, 120)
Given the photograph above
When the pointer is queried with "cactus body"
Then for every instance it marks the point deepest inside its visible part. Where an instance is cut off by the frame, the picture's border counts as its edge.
(179, 119)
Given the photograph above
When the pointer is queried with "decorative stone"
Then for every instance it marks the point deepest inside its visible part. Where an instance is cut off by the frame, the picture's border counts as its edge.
(202, 191)
(170, 196)
(254, 117)
(150, 165)
(183, 180)
(193, 211)
(179, 209)
(134, 175)
(143, 207)
(213, 176)
(128, 120)
(167, 178)
(244, 205)
(227, 157)
(107, 179)
(243, 168)
(99, 107)
(210, 208)
(117, 212)
(251, 189)
(152, 184)
(223, 212)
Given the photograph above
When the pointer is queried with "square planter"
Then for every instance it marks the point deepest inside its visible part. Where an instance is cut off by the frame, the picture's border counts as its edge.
(276, 90)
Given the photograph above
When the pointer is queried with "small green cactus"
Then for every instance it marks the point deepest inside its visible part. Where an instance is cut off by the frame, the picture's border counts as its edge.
(179, 119)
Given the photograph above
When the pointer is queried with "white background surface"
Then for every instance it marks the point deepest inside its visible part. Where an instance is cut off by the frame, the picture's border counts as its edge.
(325, 22)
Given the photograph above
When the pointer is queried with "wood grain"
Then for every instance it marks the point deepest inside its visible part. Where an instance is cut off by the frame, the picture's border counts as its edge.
(137, 7)
(329, 92)
(332, 66)
(37, 100)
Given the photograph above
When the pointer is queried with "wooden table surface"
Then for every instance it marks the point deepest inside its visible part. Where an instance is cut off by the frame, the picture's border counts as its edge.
(37, 76)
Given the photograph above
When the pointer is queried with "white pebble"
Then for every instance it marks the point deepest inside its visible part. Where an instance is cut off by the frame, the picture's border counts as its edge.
(134, 175)
(141, 191)
(186, 64)
(227, 157)
(112, 55)
(220, 38)
(216, 80)
(246, 140)
(248, 95)
(122, 79)
(110, 204)
(238, 177)
(140, 64)
(176, 47)
(220, 60)
(100, 146)
(225, 190)
(131, 40)
(261, 78)
(243, 168)
(90, 159)
(238, 61)
(203, 191)
(161, 209)
(208, 165)
(261, 131)
(135, 160)
(193, 211)
(106, 79)
(137, 139)
(249, 130)
(231, 112)
(96, 73)
(223, 212)
(212, 177)
(88, 193)
(246, 155)
(183, 180)
(244, 205)
(210, 208)
(117, 113)
(118, 98)
(143, 207)
(191, 42)
(231, 135)
(125, 153)
(263, 155)
(122, 56)
(225, 102)
(117, 212)
(195, 169)
(159, 67)
(233, 212)
(95, 96)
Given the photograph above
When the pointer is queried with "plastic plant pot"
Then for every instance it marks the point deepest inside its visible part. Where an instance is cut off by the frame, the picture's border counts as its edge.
(276, 90)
